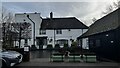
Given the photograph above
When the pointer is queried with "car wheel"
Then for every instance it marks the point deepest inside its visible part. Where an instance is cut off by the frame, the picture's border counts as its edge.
(4, 65)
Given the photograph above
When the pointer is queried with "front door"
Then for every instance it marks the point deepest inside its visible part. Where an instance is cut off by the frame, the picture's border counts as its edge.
(41, 42)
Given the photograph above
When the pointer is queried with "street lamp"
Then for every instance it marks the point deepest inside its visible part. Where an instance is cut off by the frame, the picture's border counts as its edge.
(33, 29)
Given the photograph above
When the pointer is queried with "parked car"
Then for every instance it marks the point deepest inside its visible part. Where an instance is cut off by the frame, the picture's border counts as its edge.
(10, 58)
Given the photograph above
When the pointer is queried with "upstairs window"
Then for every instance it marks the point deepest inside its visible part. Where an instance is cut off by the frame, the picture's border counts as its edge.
(59, 31)
(42, 32)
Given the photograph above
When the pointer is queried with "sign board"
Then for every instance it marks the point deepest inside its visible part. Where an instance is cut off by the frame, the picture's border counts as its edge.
(26, 49)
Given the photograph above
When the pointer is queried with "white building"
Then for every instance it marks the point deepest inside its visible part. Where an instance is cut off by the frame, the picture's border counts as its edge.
(52, 30)
(36, 18)
(1, 36)
(60, 31)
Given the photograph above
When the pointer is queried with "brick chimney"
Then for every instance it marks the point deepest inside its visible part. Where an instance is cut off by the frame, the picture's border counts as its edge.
(51, 15)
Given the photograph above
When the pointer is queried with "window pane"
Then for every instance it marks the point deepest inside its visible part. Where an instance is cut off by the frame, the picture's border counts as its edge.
(58, 31)
(62, 41)
(42, 31)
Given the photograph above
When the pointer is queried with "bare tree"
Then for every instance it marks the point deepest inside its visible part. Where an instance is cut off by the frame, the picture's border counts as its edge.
(6, 19)
(116, 5)
(6, 16)
(110, 8)
(94, 19)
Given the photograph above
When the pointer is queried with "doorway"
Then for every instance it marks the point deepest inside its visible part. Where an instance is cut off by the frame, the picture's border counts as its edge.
(41, 42)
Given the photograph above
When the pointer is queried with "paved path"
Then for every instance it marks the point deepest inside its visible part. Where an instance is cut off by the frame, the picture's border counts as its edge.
(45, 63)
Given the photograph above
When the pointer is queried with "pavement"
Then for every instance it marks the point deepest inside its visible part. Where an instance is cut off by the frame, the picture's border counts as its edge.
(45, 63)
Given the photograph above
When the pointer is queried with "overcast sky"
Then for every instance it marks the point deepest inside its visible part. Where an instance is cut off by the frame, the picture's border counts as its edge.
(82, 10)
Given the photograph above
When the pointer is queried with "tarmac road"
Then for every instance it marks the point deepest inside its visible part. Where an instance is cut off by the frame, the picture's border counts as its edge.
(45, 63)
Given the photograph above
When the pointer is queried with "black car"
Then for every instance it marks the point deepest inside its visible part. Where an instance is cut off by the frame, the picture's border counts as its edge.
(10, 58)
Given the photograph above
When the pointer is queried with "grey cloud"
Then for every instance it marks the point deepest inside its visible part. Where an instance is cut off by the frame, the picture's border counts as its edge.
(61, 8)
(81, 10)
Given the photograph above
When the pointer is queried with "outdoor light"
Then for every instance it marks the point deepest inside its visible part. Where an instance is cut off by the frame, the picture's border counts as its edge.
(111, 41)
(1, 40)
(107, 35)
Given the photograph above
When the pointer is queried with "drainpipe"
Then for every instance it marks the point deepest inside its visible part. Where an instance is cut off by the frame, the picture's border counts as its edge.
(20, 36)
(82, 46)
(51, 19)
(33, 29)
(54, 36)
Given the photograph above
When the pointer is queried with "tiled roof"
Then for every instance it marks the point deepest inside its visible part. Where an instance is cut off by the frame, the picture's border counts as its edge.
(106, 23)
(62, 23)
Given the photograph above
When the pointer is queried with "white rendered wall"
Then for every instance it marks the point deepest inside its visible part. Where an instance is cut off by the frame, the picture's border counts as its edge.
(1, 37)
(66, 34)
(35, 17)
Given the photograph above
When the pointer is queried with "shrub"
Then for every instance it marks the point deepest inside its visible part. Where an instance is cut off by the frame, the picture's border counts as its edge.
(57, 46)
(66, 45)
(74, 43)
(75, 48)
(49, 46)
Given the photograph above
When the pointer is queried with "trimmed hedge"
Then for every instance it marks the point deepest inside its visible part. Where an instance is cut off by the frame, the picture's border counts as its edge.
(66, 46)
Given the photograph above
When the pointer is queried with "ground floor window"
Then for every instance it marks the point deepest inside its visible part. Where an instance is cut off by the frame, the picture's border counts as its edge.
(41, 41)
(42, 32)
(62, 41)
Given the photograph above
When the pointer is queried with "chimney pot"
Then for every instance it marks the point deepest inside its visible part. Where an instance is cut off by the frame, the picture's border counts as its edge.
(35, 12)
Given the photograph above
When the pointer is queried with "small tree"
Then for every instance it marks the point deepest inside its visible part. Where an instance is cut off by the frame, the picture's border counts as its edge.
(74, 43)
(110, 8)
(66, 45)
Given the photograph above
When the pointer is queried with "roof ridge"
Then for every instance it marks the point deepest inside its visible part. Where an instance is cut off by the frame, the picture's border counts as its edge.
(60, 17)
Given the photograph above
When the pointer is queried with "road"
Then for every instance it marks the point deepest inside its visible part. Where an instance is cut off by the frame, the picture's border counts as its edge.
(40, 59)
(45, 63)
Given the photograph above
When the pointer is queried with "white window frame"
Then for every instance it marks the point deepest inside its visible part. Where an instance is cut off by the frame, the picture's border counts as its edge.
(59, 31)
(42, 32)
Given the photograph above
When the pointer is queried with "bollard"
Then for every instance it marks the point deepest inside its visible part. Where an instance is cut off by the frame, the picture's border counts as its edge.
(26, 55)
